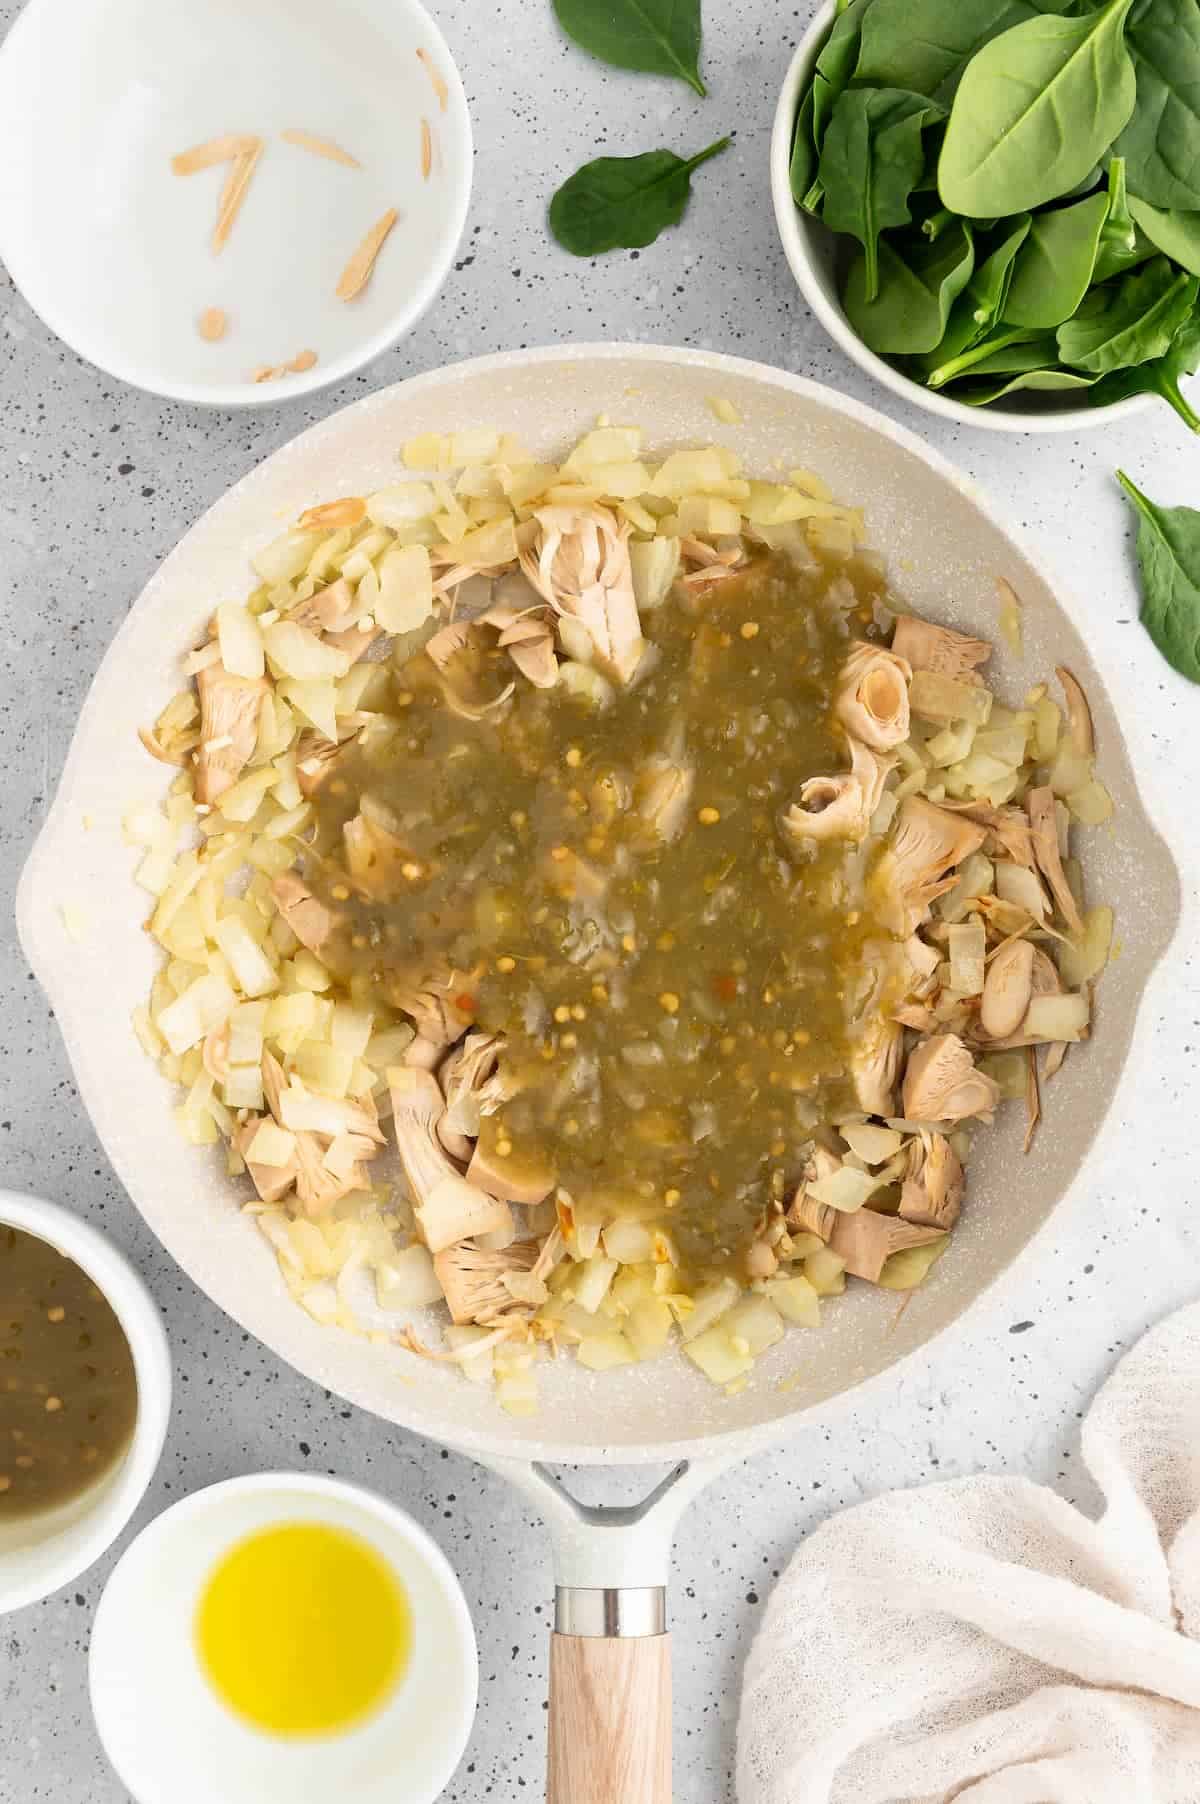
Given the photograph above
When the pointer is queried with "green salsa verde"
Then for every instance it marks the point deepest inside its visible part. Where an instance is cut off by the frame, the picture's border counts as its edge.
(610, 889)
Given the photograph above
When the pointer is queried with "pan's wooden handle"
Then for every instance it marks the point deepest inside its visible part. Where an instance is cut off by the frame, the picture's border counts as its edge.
(610, 1720)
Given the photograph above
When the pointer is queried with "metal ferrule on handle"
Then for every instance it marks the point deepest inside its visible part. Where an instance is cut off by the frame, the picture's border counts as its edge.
(623, 1612)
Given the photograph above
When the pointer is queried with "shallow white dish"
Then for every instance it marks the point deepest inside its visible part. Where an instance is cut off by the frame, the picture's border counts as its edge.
(946, 548)
(811, 251)
(112, 248)
(44, 1552)
(167, 1732)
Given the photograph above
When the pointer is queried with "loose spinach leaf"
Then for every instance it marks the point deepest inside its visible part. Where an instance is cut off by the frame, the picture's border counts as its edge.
(1178, 234)
(1168, 549)
(1161, 143)
(624, 202)
(1162, 376)
(1036, 109)
(1054, 269)
(1008, 351)
(803, 164)
(1119, 242)
(1043, 381)
(981, 303)
(872, 159)
(918, 284)
(924, 45)
(1132, 322)
(655, 37)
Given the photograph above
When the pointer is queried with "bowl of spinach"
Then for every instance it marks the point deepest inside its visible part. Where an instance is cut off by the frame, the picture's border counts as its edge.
(994, 205)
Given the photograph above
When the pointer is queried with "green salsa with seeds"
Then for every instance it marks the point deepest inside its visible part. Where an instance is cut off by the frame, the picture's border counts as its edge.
(610, 889)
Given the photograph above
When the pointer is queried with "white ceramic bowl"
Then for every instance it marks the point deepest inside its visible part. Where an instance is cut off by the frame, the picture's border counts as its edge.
(173, 1740)
(112, 248)
(47, 1551)
(811, 251)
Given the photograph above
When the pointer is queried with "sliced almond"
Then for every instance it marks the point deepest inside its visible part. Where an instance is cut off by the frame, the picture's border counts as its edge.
(347, 512)
(320, 147)
(234, 193)
(217, 150)
(213, 324)
(435, 76)
(357, 272)
(426, 149)
(270, 372)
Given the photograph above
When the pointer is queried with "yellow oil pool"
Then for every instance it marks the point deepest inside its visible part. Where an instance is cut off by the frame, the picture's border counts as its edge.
(303, 1629)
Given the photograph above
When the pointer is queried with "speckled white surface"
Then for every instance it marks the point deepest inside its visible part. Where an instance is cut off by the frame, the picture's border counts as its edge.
(97, 483)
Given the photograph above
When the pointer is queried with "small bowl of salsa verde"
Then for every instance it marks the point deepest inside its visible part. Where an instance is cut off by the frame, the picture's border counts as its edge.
(85, 1387)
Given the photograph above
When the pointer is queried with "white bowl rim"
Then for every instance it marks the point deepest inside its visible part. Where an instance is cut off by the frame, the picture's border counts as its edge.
(792, 237)
(322, 375)
(175, 1517)
(138, 1315)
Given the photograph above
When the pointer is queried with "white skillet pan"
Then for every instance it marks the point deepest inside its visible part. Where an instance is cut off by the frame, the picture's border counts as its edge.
(609, 1724)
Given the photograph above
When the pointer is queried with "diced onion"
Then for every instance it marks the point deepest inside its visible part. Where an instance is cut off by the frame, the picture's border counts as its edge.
(1057, 1018)
(844, 1189)
(405, 597)
(873, 1144)
(271, 1146)
(203, 1006)
(240, 640)
(968, 950)
(252, 968)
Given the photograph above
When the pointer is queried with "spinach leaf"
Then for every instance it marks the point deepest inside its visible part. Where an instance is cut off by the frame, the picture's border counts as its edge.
(834, 69)
(981, 303)
(1008, 351)
(936, 223)
(1119, 242)
(1178, 234)
(838, 57)
(1054, 269)
(925, 45)
(1044, 381)
(989, 287)
(1161, 143)
(1168, 549)
(1131, 322)
(803, 164)
(918, 284)
(872, 159)
(655, 37)
(1036, 109)
(1161, 376)
(624, 202)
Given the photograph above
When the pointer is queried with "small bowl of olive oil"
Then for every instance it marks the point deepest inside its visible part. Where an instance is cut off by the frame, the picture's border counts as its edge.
(85, 1393)
(277, 1636)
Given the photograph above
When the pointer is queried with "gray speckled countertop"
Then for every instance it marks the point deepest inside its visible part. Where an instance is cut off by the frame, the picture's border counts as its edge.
(96, 485)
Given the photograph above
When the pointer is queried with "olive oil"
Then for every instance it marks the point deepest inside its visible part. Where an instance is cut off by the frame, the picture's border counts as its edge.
(303, 1629)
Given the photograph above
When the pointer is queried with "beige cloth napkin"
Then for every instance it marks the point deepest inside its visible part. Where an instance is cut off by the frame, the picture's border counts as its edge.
(982, 1640)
